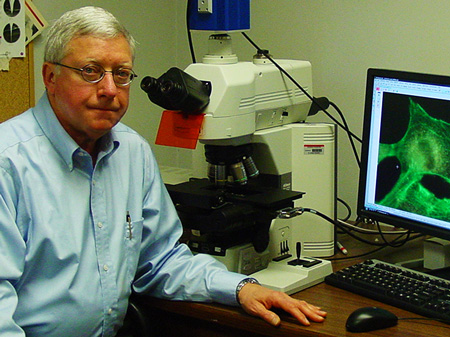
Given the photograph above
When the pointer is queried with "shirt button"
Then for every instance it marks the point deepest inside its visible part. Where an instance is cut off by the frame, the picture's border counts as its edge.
(100, 224)
(105, 267)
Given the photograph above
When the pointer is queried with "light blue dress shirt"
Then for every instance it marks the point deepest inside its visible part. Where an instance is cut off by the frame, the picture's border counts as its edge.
(68, 257)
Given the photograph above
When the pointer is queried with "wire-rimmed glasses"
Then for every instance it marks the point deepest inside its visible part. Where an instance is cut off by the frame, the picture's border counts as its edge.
(94, 73)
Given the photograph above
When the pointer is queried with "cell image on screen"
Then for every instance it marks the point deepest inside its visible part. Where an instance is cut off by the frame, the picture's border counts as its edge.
(413, 171)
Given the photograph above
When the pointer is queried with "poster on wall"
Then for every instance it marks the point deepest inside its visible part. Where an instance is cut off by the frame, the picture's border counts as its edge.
(34, 22)
(12, 28)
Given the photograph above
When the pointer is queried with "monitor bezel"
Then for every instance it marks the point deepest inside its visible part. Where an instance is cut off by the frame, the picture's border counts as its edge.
(362, 211)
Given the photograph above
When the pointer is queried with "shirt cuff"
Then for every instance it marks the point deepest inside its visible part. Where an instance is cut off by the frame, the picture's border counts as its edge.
(223, 287)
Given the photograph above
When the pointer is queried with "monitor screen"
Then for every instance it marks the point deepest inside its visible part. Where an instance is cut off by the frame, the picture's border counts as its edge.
(405, 166)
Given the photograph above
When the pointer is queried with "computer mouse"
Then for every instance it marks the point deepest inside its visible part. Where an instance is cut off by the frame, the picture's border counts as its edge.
(370, 318)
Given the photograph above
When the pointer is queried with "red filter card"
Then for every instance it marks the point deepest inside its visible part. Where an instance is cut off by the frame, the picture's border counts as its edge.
(179, 129)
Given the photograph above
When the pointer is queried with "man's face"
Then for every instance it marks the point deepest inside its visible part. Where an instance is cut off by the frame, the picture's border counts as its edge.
(86, 110)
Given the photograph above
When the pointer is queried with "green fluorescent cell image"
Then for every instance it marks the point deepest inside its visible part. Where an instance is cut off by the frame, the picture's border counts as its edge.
(414, 158)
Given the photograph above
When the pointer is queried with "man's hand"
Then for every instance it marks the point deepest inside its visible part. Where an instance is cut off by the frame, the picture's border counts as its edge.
(257, 300)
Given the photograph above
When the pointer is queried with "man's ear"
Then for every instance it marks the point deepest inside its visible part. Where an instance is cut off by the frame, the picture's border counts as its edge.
(49, 76)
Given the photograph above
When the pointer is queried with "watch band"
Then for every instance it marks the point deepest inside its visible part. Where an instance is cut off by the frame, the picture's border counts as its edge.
(242, 284)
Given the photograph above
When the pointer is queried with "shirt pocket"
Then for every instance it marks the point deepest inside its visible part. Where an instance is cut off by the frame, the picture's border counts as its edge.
(133, 238)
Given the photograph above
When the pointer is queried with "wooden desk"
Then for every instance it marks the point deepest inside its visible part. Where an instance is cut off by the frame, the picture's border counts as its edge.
(206, 320)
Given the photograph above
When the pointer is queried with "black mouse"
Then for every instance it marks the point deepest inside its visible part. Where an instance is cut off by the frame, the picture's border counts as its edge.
(370, 318)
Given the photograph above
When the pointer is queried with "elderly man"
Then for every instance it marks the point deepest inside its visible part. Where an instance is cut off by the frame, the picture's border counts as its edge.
(85, 218)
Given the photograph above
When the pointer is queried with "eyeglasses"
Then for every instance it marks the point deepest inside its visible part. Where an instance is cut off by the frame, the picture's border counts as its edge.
(94, 73)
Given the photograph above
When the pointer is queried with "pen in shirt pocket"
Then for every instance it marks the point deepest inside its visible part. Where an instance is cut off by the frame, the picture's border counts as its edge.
(130, 226)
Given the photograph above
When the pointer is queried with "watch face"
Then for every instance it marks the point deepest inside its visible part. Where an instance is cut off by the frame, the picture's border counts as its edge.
(242, 284)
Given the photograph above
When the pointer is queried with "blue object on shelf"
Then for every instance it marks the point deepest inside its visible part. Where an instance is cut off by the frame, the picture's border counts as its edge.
(222, 16)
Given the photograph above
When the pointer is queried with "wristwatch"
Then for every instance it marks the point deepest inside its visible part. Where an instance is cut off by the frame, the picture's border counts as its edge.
(242, 284)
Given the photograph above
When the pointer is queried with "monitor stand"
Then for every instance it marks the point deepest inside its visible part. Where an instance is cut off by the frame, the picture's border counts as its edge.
(435, 261)
(443, 273)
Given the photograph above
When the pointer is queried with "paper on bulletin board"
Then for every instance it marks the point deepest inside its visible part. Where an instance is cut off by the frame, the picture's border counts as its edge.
(34, 22)
(12, 28)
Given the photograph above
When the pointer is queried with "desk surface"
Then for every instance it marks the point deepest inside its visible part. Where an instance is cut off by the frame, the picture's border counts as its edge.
(198, 319)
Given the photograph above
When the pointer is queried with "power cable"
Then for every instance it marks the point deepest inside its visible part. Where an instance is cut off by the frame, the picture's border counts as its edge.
(313, 99)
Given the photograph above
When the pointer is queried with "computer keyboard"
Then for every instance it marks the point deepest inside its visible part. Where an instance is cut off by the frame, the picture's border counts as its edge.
(397, 286)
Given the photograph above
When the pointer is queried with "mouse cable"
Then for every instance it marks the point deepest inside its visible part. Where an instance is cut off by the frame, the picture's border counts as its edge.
(313, 99)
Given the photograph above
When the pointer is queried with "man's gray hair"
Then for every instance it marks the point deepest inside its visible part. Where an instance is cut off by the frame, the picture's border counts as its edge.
(85, 21)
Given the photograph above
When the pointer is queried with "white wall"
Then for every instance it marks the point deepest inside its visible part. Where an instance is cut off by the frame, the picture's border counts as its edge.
(341, 38)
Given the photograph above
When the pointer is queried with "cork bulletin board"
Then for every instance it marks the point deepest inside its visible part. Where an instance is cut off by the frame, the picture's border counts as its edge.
(17, 86)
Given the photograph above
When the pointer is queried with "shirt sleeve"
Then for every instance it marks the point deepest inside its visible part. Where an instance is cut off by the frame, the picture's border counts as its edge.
(168, 269)
(12, 257)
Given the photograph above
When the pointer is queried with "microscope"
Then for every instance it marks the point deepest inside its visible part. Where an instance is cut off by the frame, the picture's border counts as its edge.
(260, 154)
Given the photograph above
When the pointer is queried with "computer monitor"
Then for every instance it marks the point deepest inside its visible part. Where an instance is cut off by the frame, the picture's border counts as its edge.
(405, 166)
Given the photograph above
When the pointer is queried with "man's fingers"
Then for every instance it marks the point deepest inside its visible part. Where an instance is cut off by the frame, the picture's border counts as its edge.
(258, 301)
(258, 309)
(271, 318)
(304, 312)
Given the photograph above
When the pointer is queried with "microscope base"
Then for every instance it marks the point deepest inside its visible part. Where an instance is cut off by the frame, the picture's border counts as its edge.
(244, 259)
(289, 278)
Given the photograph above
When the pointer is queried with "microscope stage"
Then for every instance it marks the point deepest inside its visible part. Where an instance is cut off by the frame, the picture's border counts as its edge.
(203, 194)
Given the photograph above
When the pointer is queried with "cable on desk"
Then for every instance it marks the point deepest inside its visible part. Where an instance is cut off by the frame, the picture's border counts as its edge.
(369, 252)
(370, 231)
(337, 224)
(356, 256)
(380, 232)
(393, 243)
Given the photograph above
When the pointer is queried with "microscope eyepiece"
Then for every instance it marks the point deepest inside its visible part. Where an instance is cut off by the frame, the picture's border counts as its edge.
(172, 89)
(149, 84)
(178, 91)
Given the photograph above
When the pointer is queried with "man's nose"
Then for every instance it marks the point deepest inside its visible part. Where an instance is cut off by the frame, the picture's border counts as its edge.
(107, 85)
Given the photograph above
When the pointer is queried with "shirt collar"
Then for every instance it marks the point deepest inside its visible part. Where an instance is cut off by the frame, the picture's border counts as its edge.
(60, 139)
